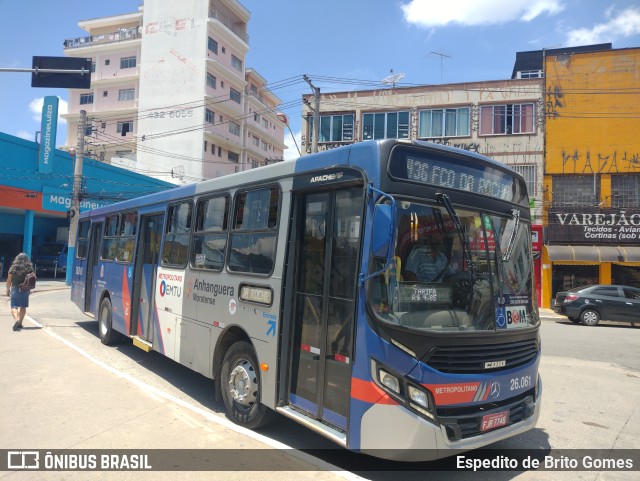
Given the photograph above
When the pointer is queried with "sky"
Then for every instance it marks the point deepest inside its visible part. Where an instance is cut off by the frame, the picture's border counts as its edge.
(340, 45)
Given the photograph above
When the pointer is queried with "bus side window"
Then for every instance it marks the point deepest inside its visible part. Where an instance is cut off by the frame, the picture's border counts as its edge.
(210, 234)
(176, 236)
(127, 236)
(83, 239)
(110, 238)
(253, 239)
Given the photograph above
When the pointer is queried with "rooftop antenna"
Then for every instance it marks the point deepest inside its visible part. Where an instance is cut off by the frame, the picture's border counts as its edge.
(392, 79)
(442, 55)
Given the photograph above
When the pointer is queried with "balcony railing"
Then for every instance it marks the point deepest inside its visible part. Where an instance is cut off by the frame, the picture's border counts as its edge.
(117, 36)
(227, 22)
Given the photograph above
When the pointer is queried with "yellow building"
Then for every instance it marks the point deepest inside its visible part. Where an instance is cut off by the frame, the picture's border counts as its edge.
(591, 192)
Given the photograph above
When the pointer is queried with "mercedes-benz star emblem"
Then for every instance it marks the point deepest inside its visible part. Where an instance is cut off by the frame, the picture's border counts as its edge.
(495, 389)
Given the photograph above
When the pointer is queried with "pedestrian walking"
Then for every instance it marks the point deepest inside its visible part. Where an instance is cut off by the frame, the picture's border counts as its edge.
(18, 271)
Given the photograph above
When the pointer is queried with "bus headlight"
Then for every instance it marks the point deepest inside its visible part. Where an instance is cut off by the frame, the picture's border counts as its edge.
(405, 391)
(420, 401)
(419, 397)
(389, 381)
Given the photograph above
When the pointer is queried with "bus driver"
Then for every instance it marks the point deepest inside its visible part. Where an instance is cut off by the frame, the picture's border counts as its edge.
(426, 263)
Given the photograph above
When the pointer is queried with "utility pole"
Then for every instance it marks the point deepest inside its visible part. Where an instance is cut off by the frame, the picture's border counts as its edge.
(74, 212)
(316, 113)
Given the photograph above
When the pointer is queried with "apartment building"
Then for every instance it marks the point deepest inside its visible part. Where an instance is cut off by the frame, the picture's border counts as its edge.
(500, 119)
(171, 96)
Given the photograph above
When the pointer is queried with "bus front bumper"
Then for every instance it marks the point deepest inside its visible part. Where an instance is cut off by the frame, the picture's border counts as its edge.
(395, 433)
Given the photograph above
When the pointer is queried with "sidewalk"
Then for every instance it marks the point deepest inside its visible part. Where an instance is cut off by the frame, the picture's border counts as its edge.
(55, 396)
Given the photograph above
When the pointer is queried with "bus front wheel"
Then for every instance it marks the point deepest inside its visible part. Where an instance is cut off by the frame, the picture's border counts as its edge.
(107, 335)
(240, 384)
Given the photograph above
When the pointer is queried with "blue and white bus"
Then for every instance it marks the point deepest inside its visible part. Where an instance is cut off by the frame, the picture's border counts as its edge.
(291, 286)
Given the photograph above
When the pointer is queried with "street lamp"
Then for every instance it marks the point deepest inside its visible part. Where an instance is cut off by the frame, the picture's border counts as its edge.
(285, 120)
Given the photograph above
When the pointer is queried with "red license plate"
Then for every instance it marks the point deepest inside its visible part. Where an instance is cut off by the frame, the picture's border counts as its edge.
(493, 421)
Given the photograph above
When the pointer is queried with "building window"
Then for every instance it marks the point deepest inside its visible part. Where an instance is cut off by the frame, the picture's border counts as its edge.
(385, 125)
(529, 174)
(86, 99)
(234, 128)
(236, 63)
(256, 118)
(507, 119)
(627, 191)
(575, 190)
(126, 94)
(212, 45)
(211, 80)
(213, 149)
(530, 74)
(264, 145)
(233, 157)
(235, 95)
(444, 123)
(256, 141)
(124, 127)
(127, 62)
(209, 116)
(107, 62)
(253, 239)
(205, 145)
(105, 93)
(93, 67)
(334, 128)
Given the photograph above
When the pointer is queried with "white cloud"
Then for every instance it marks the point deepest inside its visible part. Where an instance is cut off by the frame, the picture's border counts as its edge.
(292, 152)
(618, 24)
(35, 107)
(431, 13)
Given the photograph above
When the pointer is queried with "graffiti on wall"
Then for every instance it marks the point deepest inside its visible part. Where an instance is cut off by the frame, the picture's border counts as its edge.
(555, 100)
(577, 163)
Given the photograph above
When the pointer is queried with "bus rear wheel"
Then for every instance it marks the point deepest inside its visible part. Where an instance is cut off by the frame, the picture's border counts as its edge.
(240, 383)
(107, 335)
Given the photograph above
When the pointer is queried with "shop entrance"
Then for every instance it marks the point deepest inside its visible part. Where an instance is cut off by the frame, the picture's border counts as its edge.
(625, 275)
(569, 276)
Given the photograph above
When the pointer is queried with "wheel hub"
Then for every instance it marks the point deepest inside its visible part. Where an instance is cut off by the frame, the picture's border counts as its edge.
(242, 384)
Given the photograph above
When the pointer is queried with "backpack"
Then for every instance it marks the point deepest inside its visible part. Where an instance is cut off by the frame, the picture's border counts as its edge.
(29, 282)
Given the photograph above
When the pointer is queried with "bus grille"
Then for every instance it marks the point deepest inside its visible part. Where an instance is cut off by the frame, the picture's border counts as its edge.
(474, 359)
(462, 423)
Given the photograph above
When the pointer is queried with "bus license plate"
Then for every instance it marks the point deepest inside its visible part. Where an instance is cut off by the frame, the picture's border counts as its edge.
(493, 421)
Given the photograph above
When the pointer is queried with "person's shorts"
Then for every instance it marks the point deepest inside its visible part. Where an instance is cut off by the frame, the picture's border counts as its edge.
(19, 299)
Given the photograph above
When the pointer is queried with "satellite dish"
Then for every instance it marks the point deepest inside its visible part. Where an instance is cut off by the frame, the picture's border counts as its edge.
(393, 78)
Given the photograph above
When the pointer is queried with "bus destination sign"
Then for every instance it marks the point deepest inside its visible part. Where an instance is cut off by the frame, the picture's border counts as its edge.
(456, 174)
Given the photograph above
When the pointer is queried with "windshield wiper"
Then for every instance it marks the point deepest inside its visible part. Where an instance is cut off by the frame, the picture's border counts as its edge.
(464, 238)
(512, 240)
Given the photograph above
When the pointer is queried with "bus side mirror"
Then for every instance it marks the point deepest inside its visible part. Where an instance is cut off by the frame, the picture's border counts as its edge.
(382, 230)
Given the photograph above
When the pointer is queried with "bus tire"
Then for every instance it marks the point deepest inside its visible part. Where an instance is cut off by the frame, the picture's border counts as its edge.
(107, 335)
(240, 385)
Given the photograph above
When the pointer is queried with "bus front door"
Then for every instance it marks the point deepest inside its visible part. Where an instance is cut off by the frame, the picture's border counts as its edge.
(325, 287)
(144, 312)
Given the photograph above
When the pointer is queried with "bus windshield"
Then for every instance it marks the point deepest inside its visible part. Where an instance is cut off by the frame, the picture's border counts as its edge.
(450, 276)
